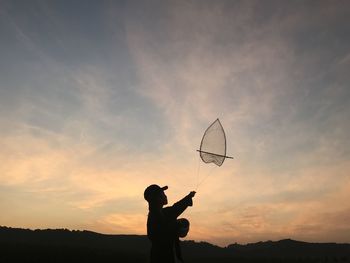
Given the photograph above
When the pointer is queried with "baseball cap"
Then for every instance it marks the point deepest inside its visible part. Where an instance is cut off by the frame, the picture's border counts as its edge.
(153, 191)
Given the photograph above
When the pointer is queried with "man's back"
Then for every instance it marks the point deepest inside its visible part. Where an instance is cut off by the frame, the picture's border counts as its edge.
(161, 231)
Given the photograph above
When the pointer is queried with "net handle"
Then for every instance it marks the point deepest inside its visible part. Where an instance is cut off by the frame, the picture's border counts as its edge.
(215, 154)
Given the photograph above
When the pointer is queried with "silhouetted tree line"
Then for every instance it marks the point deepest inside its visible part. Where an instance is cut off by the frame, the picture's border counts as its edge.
(62, 245)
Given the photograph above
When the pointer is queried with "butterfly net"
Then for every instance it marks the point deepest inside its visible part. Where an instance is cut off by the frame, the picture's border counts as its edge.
(213, 144)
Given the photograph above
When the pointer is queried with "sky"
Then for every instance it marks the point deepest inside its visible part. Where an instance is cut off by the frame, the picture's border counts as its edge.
(99, 99)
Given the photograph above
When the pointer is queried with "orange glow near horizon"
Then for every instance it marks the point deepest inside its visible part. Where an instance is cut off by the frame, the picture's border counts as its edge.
(55, 189)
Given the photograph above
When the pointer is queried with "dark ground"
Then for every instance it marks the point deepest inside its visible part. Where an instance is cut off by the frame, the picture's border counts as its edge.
(62, 245)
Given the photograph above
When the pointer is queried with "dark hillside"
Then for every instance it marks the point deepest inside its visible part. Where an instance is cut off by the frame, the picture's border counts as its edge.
(62, 245)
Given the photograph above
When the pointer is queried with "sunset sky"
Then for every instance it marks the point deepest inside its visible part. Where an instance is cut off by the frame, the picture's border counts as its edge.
(99, 99)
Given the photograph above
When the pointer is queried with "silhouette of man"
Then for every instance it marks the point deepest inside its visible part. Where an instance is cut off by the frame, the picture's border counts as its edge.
(162, 224)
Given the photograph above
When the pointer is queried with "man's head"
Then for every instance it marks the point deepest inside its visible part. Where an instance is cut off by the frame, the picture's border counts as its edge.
(154, 195)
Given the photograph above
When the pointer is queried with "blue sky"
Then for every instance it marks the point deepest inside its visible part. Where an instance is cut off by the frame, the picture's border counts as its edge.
(99, 99)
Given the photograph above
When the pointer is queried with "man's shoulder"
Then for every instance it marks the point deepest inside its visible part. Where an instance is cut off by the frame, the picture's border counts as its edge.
(168, 211)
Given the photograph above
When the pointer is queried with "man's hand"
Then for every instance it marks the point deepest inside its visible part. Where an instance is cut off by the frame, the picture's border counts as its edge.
(192, 194)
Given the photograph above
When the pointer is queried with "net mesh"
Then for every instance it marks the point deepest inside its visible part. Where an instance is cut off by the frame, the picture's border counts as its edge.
(213, 145)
